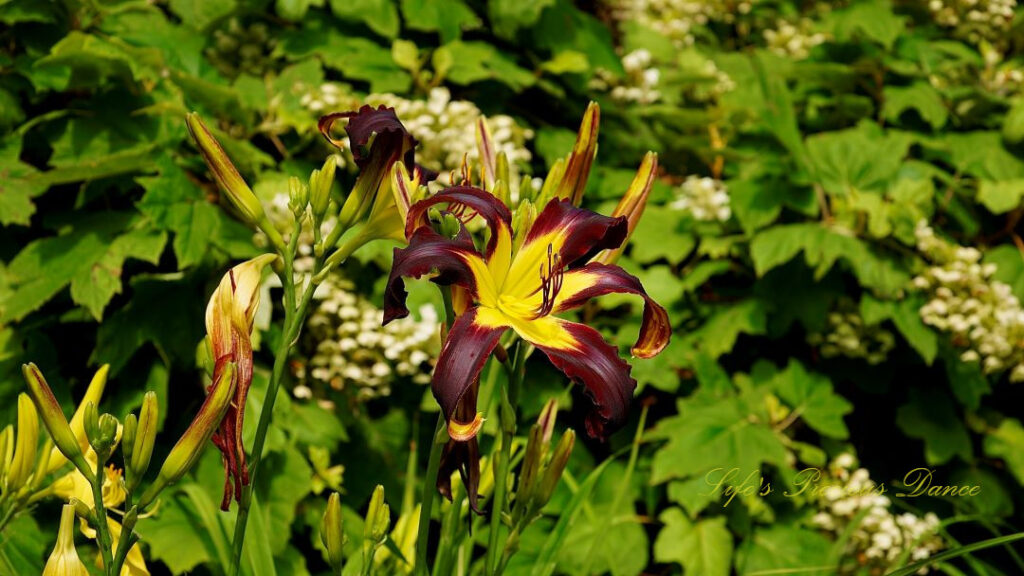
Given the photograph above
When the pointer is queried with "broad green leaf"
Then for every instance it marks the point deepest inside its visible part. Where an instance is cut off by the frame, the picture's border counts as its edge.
(93, 60)
(874, 19)
(811, 396)
(659, 235)
(727, 322)
(200, 14)
(784, 549)
(1001, 196)
(919, 96)
(19, 184)
(703, 547)
(1007, 442)
(562, 26)
(510, 16)
(729, 433)
(931, 417)
(172, 535)
(477, 61)
(857, 160)
(907, 318)
(381, 16)
(1013, 124)
(1010, 266)
(447, 17)
(89, 258)
(354, 57)
(22, 547)
(981, 154)
(992, 500)
(822, 247)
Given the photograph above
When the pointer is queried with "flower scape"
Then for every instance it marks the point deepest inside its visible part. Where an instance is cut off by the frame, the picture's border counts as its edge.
(492, 288)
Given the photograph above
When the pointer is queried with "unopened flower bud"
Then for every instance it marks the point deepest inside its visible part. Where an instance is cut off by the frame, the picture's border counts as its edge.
(298, 196)
(64, 560)
(186, 451)
(487, 152)
(26, 445)
(555, 468)
(145, 438)
(131, 424)
(320, 183)
(378, 517)
(82, 510)
(577, 166)
(127, 525)
(332, 532)
(6, 449)
(228, 178)
(92, 394)
(101, 430)
(53, 418)
(632, 205)
(503, 173)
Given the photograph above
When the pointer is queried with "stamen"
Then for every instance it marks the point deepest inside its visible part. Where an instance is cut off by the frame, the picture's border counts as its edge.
(550, 282)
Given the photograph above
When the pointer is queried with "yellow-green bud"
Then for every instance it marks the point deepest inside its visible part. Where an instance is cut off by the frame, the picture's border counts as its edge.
(378, 517)
(298, 196)
(332, 532)
(127, 526)
(6, 449)
(533, 461)
(320, 183)
(82, 510)
(131, 424)
(188, 448)
(92, 394)
(26, 446)
(101, 429)
(53, 418)
(145, 438)
(229, 180)
(64, 560)
(555, 468)
(224, 171)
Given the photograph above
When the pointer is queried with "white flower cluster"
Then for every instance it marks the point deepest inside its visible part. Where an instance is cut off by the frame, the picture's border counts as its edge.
(847, 335)
(328, 97)
(678, 19)
(706, 199)
(640, 85)
(975, 20)
(446, 129)
(881, 537)
(347, 348)
(793, 40)
(983, 315)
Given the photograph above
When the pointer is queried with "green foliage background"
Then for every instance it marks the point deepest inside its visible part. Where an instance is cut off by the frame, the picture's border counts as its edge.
(113, 237)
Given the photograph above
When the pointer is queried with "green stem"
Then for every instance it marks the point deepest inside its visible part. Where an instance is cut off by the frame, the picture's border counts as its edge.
(294, 318)
(433, 464)
(102, 529)
(427, 499)
(503, 457)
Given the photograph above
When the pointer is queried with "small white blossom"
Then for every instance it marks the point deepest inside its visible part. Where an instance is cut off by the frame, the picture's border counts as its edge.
(705, 199)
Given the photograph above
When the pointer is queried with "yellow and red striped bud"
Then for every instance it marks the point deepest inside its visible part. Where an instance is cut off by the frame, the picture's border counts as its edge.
(632, 205)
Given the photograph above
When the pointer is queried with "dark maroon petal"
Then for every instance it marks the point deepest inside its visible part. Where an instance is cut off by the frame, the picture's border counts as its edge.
(464, 201)
(428, 252)
(392, 139)
(656, 329)
(464, 457)
(586, 232)
(596, 365)
(463, 355)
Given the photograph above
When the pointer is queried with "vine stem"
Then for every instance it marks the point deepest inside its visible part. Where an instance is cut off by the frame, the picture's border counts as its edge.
(433, 463)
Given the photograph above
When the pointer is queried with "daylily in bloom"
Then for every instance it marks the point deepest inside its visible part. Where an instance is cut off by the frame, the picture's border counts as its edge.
(229, 318)
(523, 289)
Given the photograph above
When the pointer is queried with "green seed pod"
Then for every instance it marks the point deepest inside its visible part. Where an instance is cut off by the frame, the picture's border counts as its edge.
(53, 418)
(332, 532)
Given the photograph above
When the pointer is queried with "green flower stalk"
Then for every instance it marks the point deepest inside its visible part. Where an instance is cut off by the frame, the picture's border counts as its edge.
(53, 418)
(64, 560)
(188, 448)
